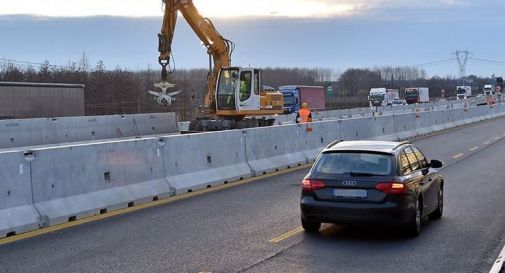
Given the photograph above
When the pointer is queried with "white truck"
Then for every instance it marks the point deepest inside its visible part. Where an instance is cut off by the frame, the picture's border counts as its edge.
(489, 89)
(417, 95)
(383, 97)
(463, 92)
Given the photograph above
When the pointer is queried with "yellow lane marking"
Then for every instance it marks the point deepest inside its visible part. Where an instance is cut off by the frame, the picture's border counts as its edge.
(474, 148)
(458, 155)
(487, 142)
(286, 235)
(167, 200)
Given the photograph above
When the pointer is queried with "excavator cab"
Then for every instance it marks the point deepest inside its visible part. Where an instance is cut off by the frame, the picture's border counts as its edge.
(239, 93)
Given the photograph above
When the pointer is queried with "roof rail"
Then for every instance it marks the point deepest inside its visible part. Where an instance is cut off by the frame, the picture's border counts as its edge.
(401, 144)
(334, 143)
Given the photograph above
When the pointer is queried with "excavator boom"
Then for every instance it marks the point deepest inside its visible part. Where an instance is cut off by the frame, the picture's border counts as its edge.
(218, 48)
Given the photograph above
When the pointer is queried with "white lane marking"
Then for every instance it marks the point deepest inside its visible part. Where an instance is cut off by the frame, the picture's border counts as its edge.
(499, 263)
(487, 142)
(458, 156)
(497, 138)
(474, 148)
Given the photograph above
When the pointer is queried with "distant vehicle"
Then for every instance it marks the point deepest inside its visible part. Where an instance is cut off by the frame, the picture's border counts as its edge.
(296, 95)
(489, 89)
(463, 92)
(363, 182)
(382, 97)
(417, 95)
(399, 102)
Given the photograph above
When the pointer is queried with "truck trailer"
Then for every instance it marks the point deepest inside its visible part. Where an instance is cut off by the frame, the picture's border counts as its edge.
(383, 97)
(417, 95)
(296, 95)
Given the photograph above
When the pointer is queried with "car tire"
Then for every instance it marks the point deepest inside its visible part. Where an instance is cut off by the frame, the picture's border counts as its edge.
(437, 214)
(414, 226)
(311, 226)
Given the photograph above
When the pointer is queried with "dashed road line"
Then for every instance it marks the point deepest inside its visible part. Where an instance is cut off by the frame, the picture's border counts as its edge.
(458, 156)
(286, 235)
(474, 148)
(487, 142)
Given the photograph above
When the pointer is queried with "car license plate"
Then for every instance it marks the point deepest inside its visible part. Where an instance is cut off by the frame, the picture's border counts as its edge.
(350, 193)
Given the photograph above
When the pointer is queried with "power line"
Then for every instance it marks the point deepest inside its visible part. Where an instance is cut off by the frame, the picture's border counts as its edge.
(486, 61)
(4, 60)
(435, 62)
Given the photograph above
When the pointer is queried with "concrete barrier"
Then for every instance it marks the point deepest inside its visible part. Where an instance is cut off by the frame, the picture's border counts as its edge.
(44, 131)
(424, 122)
(26, 132)
(17, 213)
(73, 182)
(320, 135)
(353, 129)
(383, 128)
(275, 148)
(197, 161)
(405, 126)
(49, 186)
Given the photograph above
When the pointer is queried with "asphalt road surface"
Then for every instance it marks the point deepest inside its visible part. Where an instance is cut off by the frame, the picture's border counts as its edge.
(255, 227)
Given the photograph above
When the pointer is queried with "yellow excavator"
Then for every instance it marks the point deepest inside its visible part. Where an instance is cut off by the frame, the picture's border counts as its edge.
(235, 97)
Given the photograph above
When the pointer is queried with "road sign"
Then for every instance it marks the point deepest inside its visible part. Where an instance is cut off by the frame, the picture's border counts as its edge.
(330, 91)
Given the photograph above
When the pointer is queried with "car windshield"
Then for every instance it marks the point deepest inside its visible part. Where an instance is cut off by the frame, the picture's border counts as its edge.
(354, 164)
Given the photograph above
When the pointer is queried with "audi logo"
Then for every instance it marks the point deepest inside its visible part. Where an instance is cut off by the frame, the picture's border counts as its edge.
(349, 183)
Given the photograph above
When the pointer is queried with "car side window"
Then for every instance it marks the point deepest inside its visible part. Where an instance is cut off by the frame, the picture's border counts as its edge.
(411, 157)
(420, 157)
(404, 164)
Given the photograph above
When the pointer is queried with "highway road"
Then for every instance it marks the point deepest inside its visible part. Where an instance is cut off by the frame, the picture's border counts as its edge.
(254, 227)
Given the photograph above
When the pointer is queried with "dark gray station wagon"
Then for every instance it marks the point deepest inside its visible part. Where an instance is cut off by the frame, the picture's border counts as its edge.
(358, 182)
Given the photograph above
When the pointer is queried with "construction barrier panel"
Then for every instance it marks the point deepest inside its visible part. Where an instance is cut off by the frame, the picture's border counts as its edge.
(198, 161)
(17, 213)
(275, 148)
(383, 128)
(44, 131)
(73, 182)
(353, 129)
(321, 134)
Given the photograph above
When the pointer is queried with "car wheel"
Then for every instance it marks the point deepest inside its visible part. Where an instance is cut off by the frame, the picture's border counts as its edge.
(414, 227)
(437, 214)
(311, 226)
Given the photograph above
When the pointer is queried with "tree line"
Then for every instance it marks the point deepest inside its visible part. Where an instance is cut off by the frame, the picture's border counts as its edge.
(122, 91)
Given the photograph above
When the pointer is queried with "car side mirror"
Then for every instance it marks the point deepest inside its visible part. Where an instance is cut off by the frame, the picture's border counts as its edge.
(437, 164)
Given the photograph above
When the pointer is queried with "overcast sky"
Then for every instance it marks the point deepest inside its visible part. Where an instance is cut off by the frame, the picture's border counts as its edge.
(312, 33)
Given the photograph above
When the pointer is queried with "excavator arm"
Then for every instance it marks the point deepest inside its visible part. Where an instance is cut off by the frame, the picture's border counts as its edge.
(218, 48)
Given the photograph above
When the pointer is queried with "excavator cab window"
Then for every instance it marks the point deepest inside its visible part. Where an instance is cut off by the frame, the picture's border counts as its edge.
(226, 88)
(245, 85)
(257, 82)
